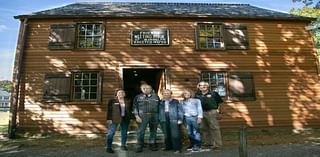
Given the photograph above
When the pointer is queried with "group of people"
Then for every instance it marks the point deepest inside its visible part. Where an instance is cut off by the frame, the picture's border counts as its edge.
(198, 112)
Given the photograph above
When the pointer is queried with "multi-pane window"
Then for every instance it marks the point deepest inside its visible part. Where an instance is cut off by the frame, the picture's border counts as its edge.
(210, 36)
(74, 86)
(90, 36)
(85, 86)
(216, 81)
(232, 85)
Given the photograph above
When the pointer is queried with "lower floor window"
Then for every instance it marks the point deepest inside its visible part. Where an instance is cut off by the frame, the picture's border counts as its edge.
(216, 81)
(85, 85)
(231, 85)
(74, 86)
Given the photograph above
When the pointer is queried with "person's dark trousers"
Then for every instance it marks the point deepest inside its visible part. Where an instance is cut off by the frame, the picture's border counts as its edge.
(152, 120)
(172, 136)
(112, 130)
(193, 129)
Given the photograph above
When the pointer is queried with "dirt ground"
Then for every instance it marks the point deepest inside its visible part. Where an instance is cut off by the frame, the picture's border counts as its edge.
(230, 138)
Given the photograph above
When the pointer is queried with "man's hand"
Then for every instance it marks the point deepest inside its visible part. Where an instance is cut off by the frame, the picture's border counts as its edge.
(138, 119)
(199, 120)
(219, 116)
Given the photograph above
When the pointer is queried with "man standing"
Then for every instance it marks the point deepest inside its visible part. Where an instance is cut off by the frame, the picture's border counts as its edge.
(146, 111)
(212, 106)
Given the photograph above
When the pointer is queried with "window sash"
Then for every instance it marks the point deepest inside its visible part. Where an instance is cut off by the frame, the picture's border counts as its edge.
(85, 86)
(235, 86)
(210, 36)
(90, 36)
(217, 81)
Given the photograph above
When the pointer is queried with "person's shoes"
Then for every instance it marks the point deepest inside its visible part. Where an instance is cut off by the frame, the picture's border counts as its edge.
(125, 148)
(216, 149)
(177, 152)
(165, 149)
(139, 150)
(206, 146)
(189, 148)
(109, 150)
(195, 149)
(153, 147)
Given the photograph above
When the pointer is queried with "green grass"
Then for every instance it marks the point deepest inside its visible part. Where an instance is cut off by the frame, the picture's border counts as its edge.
(4, 120)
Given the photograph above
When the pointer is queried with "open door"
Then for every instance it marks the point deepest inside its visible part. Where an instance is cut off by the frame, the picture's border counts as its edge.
(132, 78)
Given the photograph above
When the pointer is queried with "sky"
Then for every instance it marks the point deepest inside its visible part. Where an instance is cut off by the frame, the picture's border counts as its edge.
(9, 27)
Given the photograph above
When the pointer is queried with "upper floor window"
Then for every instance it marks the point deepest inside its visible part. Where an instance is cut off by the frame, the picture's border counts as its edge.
(81, 36)
(210, 36)
(222, 36)
(90, 36)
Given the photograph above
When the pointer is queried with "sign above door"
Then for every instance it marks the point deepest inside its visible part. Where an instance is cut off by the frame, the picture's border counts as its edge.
(150, 37)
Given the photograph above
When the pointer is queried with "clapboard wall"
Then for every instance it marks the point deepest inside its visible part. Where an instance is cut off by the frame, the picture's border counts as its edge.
(281, 57)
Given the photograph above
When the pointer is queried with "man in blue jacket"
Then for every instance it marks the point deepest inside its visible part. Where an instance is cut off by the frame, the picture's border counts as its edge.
(171, 116)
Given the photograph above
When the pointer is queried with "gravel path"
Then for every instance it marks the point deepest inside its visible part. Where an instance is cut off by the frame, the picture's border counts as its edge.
(291, 150)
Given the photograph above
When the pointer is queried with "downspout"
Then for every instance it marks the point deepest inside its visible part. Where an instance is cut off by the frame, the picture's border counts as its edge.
(14, 101)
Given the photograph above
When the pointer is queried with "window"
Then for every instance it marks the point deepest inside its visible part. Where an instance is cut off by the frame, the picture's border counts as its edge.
(76, 86)
(232, 85)
(210, 36)
(87, 35)
(216, 81)
(222, 36)
(90, 36)
(56, 87)
(61, 36)
(85, 86)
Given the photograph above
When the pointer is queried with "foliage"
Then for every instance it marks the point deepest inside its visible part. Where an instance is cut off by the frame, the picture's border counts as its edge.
(309, 2)
(6, 85)
(315, 13)
(306, 11)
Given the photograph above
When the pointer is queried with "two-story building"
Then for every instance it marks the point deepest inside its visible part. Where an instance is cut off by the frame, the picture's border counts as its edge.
(70, 59)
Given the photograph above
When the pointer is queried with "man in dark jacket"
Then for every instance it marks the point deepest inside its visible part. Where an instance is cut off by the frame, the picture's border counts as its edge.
(212, 106)
(146, 111)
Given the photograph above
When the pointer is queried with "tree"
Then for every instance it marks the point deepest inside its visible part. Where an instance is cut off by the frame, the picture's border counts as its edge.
(311, 12)
(309, 2)
(6, 85)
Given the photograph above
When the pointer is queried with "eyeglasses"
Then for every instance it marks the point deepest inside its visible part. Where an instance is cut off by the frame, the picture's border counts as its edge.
(203, 85)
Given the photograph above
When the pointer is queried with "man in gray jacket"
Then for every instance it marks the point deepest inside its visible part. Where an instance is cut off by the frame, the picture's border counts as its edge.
(146, 111)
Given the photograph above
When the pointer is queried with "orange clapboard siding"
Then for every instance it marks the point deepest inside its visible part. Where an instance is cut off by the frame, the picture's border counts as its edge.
(280, 56)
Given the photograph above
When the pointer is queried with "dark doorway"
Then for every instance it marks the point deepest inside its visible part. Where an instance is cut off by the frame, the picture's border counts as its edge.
(133, 76)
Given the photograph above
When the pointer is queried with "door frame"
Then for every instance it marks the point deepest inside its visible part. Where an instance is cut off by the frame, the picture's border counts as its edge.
(164, 68)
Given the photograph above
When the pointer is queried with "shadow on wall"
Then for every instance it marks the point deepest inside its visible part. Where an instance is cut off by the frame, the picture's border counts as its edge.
(287, 87)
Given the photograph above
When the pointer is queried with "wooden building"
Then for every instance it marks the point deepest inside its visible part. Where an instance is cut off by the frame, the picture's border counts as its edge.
(69, 61)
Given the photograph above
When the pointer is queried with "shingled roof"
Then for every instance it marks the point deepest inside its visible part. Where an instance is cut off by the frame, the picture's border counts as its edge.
(127, 9)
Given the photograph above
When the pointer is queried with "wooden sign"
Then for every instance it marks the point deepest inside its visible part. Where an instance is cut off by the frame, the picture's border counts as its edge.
(150, 37)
